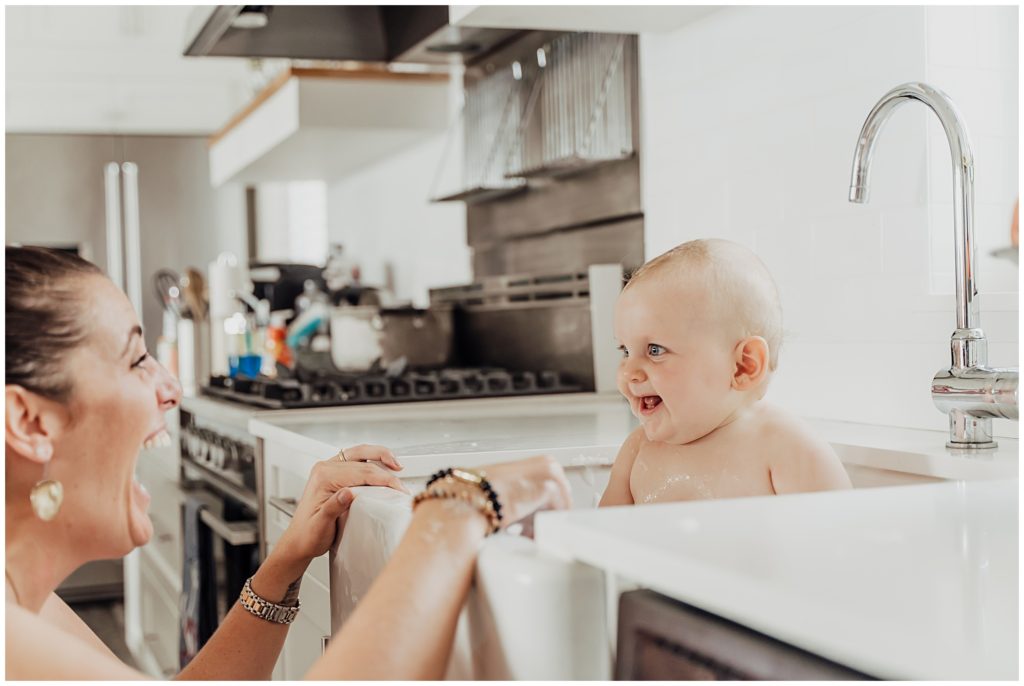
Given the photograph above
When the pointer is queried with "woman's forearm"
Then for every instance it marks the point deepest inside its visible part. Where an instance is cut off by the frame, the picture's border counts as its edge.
(404, 627)
(245, 646)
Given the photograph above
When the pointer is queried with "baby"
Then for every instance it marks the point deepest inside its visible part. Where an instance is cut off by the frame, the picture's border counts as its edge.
(699, 329)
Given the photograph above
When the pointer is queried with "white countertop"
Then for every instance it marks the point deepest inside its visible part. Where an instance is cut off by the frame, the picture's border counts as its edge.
(910, 582)
(916, 582)
(487, 430)
(426, 435)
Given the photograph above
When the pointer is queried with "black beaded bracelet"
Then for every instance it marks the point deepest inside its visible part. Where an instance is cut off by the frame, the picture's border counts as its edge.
(471, 477)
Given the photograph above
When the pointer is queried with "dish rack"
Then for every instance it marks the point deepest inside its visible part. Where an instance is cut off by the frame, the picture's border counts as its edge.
(567, 108)
(580, 109)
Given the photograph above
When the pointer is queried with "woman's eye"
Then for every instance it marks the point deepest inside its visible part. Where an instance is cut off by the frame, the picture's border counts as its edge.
(142, 359)
(654, 350)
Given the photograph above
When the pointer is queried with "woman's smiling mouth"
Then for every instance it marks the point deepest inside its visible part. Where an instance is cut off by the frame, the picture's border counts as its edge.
(157, 439)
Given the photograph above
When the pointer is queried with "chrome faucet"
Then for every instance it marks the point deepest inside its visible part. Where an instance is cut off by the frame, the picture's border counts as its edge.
(968, 391)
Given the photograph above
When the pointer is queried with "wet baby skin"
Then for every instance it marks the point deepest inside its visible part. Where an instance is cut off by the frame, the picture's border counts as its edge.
(699, 330)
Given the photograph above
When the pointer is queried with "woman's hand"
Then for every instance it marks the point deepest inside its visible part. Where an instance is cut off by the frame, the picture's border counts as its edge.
(528, 486)
(327, 496)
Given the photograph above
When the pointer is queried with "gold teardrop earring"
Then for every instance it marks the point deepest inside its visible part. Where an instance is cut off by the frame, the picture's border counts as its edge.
(48, 494)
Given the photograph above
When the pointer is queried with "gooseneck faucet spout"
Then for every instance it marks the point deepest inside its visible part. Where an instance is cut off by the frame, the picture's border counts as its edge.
(969, 392)
(967, 314)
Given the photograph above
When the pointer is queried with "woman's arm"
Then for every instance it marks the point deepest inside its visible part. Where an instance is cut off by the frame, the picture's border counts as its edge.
(403, 629)
(405, 626)
(247, 647)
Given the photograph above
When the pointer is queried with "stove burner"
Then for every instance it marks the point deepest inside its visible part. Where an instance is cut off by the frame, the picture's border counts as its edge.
(363, 389)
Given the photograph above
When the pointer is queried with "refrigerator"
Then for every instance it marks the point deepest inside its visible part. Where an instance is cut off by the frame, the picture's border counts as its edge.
(131, 204)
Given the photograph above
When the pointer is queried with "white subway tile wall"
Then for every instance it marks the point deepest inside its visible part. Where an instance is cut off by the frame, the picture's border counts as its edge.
(750, 117)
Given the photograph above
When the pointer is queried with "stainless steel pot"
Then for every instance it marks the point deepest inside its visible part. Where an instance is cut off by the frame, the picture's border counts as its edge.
(363, 335)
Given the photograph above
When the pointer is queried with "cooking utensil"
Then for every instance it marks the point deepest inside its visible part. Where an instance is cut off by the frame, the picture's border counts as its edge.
(364, 336)
(168, 290)
(193, 287)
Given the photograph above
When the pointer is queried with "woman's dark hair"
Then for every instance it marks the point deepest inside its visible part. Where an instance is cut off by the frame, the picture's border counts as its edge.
(44, 317)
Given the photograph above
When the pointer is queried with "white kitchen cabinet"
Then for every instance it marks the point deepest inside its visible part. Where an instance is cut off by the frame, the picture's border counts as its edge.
(285, 473)
(158, 607)
(326, 123)
(304, 643)
(152, 574)
(600, 18)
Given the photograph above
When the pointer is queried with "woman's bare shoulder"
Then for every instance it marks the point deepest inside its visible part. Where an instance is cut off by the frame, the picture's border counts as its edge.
(38, 649)
(56, 612)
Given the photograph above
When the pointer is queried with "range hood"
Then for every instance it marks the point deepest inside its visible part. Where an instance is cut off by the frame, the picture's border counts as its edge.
(417, 34)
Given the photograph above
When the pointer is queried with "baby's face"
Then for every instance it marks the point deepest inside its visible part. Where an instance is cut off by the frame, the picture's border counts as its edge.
(677, 360)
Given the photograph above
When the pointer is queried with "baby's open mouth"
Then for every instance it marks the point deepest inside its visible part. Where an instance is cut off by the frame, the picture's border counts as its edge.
(649, 402)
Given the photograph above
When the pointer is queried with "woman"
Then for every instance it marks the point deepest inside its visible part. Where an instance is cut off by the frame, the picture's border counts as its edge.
(83, 396)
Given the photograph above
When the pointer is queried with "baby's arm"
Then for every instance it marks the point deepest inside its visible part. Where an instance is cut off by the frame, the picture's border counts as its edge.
(803, 462)
(617, 492)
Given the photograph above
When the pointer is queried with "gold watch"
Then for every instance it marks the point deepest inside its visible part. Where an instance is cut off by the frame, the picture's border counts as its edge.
(264, 609)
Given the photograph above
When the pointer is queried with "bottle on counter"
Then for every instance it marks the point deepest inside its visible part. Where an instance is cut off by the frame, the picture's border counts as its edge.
(243, 357)
(276, 350)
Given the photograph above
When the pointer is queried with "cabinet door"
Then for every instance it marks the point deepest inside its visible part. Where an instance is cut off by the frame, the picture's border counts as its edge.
(304, 644)
(159, 610)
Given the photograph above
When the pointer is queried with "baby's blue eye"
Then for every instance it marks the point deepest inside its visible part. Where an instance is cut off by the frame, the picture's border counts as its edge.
(624, 351)
(654, 350)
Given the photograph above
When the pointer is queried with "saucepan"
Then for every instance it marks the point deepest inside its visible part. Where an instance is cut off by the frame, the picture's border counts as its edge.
(365, 336)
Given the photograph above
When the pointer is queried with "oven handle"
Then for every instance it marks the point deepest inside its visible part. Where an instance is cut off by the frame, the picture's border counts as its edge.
(233, 533)
(285, 505)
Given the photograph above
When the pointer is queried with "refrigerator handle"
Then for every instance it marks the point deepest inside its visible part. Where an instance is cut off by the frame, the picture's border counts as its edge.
(115, 250)
(132, 236)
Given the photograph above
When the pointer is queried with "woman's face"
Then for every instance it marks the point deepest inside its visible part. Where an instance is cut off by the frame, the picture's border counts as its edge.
(119, 396)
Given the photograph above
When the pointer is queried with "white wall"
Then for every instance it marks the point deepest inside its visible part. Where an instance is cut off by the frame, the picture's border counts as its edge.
(291, 222)
(749, 122)
(382, 214)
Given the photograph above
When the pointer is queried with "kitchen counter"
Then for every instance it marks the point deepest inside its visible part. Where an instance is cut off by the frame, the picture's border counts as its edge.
(426, 435)
(494, 429)
(919, 582)
(911, 582)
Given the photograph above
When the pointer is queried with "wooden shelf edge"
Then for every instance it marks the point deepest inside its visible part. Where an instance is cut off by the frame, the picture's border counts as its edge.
(367, 72)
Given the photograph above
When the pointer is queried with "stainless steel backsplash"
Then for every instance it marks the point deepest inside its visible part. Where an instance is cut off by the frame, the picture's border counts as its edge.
(559, 225)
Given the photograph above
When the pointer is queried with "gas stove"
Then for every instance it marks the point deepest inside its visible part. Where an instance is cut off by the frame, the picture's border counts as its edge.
(339, 389)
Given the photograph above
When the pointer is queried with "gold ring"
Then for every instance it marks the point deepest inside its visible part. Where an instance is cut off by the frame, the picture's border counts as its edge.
(341, 456)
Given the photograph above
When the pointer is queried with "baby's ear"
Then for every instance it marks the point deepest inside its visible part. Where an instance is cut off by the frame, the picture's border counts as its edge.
(751, 359)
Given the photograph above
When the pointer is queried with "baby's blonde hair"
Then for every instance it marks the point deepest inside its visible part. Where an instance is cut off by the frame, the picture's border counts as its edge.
(737, 282)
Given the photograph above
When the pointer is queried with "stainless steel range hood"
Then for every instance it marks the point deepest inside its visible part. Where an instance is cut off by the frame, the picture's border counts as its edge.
(365, 33)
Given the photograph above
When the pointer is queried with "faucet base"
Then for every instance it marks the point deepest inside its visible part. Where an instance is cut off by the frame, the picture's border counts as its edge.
(971, 447)
(967, 432)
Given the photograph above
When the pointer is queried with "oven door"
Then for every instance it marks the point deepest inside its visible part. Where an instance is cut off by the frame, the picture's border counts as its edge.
(221, 551)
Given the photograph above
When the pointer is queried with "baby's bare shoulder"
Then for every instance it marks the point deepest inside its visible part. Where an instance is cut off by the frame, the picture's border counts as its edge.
(789, 438)
(798, 459)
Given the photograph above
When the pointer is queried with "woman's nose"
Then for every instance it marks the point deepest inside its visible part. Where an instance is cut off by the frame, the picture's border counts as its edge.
(168, 390)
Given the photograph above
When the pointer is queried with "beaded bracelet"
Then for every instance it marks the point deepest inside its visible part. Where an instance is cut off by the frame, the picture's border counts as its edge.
(450, 486)
(472, 477)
